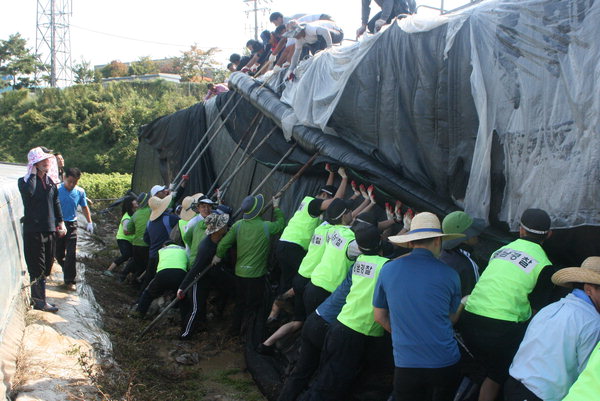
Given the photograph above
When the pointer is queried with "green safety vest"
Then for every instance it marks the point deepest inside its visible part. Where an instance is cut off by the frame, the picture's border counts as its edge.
(121, 232)
(587, 385)
(503, 289)
(182, 223)
(172, 257)
(301, 226)
(357, 313)
(334, 264)
(137, 224)
(315, 250)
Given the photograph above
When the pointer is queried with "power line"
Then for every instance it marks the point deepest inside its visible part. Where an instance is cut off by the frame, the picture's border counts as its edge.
(145, 40)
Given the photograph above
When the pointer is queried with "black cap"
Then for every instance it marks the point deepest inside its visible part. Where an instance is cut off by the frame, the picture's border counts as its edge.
(337, 208)
(329, 190)
(314, 207)
(367, 238)
(367, 217)
(536, 221)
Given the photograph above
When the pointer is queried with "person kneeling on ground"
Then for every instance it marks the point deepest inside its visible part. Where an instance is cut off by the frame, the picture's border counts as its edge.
(559, 339)
(194, 300)
(170, 271)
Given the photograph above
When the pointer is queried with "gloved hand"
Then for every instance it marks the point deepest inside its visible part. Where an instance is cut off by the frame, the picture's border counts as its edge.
(328, 168)
(464, 300)
(291, 77)
(180, 294)
(275, 203)
(408, 216)
(342, 173)
(185, 177)
(90, 227)
(215, 260)
(361, 30)
(355, 188)
(61, 229)
(363, 192)
(272, 58)
(398, 212)
(172, 187)
(389, 212)
(276, 68)
(370, 191)
(379, 23)
(218, 193)
(254, 68)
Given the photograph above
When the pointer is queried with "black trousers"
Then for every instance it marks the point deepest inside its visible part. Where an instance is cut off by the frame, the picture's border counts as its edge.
(299, 284)
(150, 270)
(126, 250)
(138, 262)
(417, 384)
(340, 364)
(312, 340)
(289, 256)
(514, 390)
(313, 297)
(66, 248)
(249, 297)
(165, 280)
(193, 306)
(39, 257)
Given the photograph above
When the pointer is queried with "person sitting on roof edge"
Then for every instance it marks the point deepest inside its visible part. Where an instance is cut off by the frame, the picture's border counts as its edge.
(389, 10)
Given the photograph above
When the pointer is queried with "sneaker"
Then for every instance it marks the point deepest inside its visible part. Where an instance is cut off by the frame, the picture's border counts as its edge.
(46, 308)
(108, 273)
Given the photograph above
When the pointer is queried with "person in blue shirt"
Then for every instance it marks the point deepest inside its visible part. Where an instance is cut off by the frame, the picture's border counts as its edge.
(71, 196)
(417, 299)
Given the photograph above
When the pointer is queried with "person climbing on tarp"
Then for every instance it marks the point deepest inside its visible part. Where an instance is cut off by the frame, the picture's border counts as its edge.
(312, 37)
(389, 10)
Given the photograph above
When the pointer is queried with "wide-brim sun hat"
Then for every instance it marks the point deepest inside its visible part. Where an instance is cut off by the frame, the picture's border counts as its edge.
(252, 206)
(588, 273)
(214, 222)
(158, 206)
(424, 226)
(187, 212)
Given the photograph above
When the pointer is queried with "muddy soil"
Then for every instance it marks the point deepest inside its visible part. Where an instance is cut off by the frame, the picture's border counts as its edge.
(161, 367)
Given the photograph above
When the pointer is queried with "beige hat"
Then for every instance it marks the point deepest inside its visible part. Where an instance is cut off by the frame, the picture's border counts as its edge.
(424, 225)
(158, 206)
(187, 213)
(589, 273)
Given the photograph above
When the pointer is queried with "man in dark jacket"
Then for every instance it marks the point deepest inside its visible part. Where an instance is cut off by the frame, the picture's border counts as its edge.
(43, 218)
(389, 10)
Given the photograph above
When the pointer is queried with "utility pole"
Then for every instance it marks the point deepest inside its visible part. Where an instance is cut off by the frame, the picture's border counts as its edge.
(53, 40)
(256, 9)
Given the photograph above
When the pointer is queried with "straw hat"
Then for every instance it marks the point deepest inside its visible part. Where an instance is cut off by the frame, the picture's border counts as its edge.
(158, 206)
(424, 225)
(187, 213)
(589, 273)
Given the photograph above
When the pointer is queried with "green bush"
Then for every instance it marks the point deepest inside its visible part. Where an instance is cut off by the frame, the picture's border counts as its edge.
(105, 186)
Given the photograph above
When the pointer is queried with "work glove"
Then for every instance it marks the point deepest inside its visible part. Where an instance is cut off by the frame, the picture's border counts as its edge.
(90, 227)
(218, 193)
(363, 192)
(398, 212)
(272, 58)
(276, 68)
(291, 77)
(342, 173)
(379, 23)
(389, 212)
(360, 31)
(275, 203)
(355, 189)
(172, 187)
(61, 229)
(370, 191)
(180, 294)
(464, 300)
(328, 168)
(254, 68)
(407, 220)
(185, 177)
(215, 260)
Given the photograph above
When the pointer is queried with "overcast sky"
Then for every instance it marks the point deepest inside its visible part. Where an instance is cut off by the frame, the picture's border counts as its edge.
(126, 30)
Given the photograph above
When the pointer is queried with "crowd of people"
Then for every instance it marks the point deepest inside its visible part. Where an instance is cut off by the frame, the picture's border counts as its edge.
(302, 35)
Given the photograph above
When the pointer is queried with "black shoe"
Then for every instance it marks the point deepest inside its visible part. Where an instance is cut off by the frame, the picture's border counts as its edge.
(46, 308)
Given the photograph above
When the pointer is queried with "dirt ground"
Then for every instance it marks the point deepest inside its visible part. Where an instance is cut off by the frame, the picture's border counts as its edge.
(211, 367)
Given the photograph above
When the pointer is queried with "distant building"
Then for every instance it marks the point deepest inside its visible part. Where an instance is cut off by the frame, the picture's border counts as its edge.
(147, 77)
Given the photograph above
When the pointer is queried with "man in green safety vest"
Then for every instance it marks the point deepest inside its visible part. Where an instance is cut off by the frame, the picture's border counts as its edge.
(170, 271)
(587, 386)
(252, 237)
(338, 255)
(498, 309)
(355, 331)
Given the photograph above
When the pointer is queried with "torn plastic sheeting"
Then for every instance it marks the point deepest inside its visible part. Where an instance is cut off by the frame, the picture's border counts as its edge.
(313, 140)
(535, 83)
